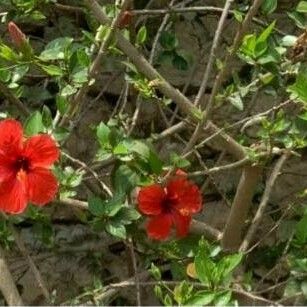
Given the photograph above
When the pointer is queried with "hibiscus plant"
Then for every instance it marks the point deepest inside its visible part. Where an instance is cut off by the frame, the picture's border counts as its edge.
(153, 143)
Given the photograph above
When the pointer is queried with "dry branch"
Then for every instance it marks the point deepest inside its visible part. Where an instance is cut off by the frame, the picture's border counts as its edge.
(7, 285)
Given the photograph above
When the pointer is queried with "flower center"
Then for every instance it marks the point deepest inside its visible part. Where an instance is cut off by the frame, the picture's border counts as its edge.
(22, 164)
(169, 203)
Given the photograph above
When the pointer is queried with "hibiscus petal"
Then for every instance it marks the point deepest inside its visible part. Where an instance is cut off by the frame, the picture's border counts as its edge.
(13, 197)
(188, 196)
(150, 199)
(159, 226)
(7, 170)
(41, 150)
(10, 136)
(42, 186)
(182, 223)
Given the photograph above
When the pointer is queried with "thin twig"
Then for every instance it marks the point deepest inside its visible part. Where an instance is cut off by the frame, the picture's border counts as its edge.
(78, 100)
(264, 201)
(90, 170)
(135, 269)
(212, 55)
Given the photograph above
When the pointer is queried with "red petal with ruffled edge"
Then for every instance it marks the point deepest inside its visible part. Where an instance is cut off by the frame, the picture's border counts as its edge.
(11, 134)
(42, 186)
(159, 226)
(150, 199)
(182, 224)
(13, 196)
(188, 196)
(41, 150)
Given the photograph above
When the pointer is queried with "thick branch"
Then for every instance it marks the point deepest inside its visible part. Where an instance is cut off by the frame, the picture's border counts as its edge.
(245, 191)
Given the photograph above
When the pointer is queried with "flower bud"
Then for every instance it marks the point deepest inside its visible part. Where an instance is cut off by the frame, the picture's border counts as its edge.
(17, 36)
(125, 19)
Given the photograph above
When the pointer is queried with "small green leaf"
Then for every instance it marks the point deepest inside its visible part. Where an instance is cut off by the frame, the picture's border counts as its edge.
(125, 179)
(178, 161)
(268, 6)
(228, 263)
(298, 18)
(52, 70)
(126, 215)
(299, 88)
(238, 15)
(46, 116)
(62, 104)
(222, 298)
(302, 7)
(155, 272)
(204, 266)
(141, 35)
(103, 133)
(96, 206)
(180, 63)
(34, 124)
(116, 230)
(201, 298)
(301, 230)
(55, 50)
(168, 40)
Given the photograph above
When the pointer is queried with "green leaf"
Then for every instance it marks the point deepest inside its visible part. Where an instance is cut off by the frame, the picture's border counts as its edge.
(299, 88)
(52, 70)
(228, 263)
(302, 7)
(46, 116)
(141, 35)
(166, 57)
(180, 63)
(298, 18)
(106, 208)
(34, 124)
(55, 50)
(168, 40)
(301, 230)
(155, 272)
(116, 230)
(125, 179)
(103, 133)
(201, 298)
(268, 6)
(178, 161)
(96, 206)
(62, 104)
(155, 163)
(266, 33)
(222, 298)
(126, 215)
(204, 266)
(68, 90)
(8, 54)
(238, 15)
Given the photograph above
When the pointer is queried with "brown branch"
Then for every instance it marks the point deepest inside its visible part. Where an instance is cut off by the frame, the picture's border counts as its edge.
(7, 284)
(233, 229)
(264, 201)
(196, 227)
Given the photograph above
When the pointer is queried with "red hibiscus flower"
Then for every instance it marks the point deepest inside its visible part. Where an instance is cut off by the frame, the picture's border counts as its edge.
(24, 168)
(170, 205)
